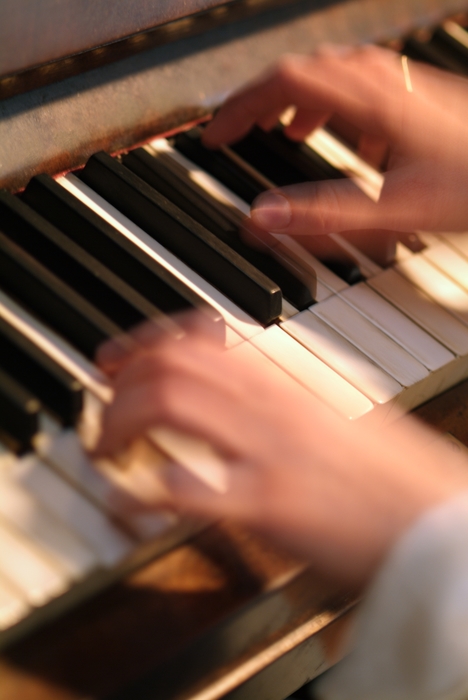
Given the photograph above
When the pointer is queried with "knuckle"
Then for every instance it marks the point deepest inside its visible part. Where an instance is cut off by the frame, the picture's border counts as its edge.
(288, 68)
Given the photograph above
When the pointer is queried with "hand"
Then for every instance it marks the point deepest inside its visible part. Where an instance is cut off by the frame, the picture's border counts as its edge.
(421, 135)
(331, 491)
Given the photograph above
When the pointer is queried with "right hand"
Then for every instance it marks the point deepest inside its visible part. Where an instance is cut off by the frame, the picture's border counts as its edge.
(423, 134)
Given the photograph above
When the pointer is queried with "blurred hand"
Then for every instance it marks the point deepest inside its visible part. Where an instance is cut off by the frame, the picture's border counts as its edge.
(331, 491)
(421, 135)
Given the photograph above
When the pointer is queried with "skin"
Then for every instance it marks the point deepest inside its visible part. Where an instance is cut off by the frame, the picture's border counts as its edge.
(292, 464)
(421, 136)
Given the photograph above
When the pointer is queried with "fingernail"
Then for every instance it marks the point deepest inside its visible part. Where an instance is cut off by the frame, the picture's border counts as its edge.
(271, 212)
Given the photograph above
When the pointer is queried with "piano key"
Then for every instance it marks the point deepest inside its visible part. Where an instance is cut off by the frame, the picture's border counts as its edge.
(436, 284)
(232, 338)
(212, 189)
(449, 261)
(69, 262)
(41, 527)
(61, 352)
(453, 35)
(412, 241)
(56, 388)
(285, 162)
(367, 178)
(291, 256)
(66, 454)
(281, 160)
(196, 246)
(176, 190)
(13, 606)
(234, 317)
(19, 413)
(110, 544)
(428, 51)
(145, 278)
(458, 241)
(372, 341)
(52, 300)
(422, 309)
(311, 372)
(327, 282)
(337, 253)
(28, 568)
(343, 357)
(218, 165)
(392, 321)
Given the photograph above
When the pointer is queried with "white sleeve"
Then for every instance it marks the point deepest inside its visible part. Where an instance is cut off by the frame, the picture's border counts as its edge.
(411, 635)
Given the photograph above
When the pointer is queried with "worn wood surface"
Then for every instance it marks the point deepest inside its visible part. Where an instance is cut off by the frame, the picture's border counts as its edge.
(57, 127)
(32, 33)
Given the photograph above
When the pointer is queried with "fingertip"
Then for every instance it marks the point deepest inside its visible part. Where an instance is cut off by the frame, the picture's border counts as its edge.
(271, 211)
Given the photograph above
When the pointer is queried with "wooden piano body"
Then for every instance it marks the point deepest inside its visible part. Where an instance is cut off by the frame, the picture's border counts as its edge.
(225, 614)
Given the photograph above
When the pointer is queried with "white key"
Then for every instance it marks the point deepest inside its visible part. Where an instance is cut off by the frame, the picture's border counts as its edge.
(367, 267)
(343, 357)
(401, 252)
(216, 190)
(385, 316)
(449, 261)
(41, 527)
(28, 568)
(423, 310)
(248, 352)
(110, 544)
(66, 454)
(372, 341)
(232, 338)
(458, 241)
(433, 282)
(234, 317)
(314, 374)
(13, 606)
(329, 147)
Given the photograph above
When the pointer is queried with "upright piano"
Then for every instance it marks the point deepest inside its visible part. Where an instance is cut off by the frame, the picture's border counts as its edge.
(164, 608)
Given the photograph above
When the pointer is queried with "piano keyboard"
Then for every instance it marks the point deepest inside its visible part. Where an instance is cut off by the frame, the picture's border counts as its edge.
(134, 239)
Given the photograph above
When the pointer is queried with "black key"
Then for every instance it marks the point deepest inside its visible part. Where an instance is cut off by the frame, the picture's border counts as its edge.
(218, 165)
(208, 160)
(433, 53)
(19, 414)
(186, 238)
(446, 41)
(411, 241)
(146, 276)
(26, 363)
(67, 261)
(183, 195)
(282, 161)
(52, 300)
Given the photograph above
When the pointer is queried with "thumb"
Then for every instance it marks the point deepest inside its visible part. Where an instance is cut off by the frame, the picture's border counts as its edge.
(328, 206)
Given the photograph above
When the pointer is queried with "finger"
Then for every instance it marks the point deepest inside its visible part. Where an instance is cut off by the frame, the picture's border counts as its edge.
(305, 121)
(318, 208)
(113, 354)
(373, 149)
(327, 83)
(240, 500)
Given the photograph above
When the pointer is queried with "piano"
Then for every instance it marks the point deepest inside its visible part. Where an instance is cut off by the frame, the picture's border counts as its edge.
(96, 121)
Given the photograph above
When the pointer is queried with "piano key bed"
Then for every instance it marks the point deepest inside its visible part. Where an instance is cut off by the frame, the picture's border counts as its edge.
(139, 237)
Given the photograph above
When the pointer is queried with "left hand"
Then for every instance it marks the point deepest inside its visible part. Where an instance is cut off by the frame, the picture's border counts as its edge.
(329, 490)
